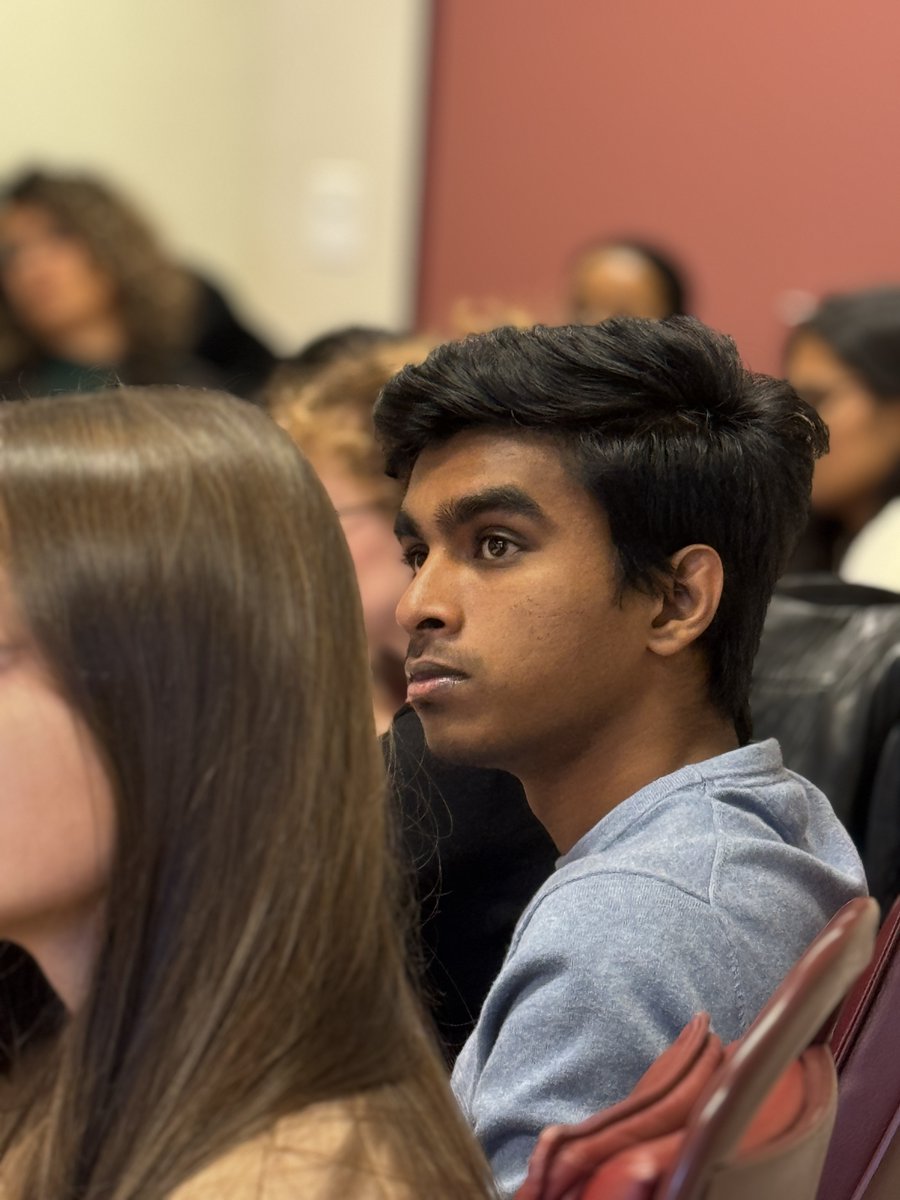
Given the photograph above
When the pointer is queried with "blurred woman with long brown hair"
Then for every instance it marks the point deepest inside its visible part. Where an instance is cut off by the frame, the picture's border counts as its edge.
(194, 844)
(89, 297)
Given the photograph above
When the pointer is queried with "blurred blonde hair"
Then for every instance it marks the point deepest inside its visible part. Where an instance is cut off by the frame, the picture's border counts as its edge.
(329, 416)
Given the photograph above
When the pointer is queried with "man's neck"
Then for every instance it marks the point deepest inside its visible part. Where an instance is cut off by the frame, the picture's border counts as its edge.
(571, 793)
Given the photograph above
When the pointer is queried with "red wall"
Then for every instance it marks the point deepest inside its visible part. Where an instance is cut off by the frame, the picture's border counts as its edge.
(760, 141)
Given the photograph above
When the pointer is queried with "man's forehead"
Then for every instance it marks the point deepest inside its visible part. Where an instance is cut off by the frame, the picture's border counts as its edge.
(477, 458)
(477, 471)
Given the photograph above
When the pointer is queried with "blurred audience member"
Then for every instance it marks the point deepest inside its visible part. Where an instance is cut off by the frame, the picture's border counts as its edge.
(625, 278)
(350, 341)
(328, 413)
(845, 360)
(195, 837)
(88, 298)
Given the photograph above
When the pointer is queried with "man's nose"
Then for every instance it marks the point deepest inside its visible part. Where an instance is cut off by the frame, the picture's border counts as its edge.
(430, 601)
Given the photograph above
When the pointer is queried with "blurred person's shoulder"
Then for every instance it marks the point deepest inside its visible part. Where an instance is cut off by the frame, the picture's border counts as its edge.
(330, 1151)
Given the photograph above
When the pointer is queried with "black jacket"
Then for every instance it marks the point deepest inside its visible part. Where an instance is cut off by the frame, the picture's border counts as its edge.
(827, 685)
(478, 855)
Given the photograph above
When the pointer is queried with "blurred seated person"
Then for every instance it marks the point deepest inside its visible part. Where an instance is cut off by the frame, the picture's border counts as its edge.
(194, 838)
(625, 278)
(88, 298)
(845, 360)
(327, 410)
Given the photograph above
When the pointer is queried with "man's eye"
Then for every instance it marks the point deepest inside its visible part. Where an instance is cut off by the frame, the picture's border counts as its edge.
(414, 557)
(494, 547)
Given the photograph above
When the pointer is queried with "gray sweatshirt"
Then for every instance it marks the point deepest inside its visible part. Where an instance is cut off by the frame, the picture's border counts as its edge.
(697, 893)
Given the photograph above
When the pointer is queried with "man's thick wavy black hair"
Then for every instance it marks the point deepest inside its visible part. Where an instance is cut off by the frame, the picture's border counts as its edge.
(661, 423)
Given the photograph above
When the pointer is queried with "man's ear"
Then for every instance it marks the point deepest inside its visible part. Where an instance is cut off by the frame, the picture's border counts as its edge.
(692, 593)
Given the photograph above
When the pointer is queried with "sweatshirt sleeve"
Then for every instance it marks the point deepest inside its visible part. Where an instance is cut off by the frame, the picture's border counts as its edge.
(603, 974)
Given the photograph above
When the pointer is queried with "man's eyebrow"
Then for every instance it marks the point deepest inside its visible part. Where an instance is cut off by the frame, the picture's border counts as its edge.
(461, 510)
(503, 499)
(405, 526)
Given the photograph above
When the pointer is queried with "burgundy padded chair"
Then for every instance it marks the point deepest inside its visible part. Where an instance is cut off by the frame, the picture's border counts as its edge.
(863, 1160)
(566, 1156)
(750, 1121)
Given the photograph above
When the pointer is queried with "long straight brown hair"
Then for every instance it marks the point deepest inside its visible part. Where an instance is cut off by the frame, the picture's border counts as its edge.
(185, 577)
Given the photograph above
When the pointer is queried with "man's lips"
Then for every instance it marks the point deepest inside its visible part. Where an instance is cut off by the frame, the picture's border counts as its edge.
(428, 679)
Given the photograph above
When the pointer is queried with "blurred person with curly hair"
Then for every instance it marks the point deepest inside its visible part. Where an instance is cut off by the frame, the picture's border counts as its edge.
(89, 297)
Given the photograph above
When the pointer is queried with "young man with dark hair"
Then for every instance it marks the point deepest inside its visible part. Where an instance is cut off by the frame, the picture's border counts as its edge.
(595, 518)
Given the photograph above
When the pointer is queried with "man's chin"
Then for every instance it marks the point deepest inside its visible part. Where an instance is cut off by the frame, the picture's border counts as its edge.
(461, 747)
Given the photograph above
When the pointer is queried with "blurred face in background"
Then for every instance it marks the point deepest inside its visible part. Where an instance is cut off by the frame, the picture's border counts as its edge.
(850, 482)
(49, 277)
(616, 281)
(368, 524)
(328, 414)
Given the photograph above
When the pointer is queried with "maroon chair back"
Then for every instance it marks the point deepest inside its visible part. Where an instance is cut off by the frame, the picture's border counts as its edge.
(779, 1156)
(566, 1156)
(752, 1121)
(863, 1160)
(799, 1015)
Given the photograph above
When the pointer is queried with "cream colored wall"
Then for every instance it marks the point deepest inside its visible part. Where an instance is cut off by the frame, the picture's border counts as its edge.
(343, 109)
(275, 142)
